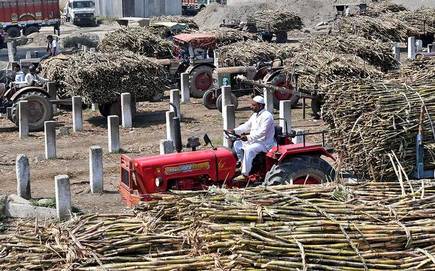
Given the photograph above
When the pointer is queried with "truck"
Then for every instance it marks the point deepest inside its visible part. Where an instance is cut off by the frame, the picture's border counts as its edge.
(192, 7)
(28, 16)
(81, 12)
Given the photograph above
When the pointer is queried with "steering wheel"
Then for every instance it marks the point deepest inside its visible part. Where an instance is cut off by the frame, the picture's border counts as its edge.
(232, 136)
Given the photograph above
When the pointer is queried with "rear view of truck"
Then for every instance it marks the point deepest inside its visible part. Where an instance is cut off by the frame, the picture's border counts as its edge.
(28, 16)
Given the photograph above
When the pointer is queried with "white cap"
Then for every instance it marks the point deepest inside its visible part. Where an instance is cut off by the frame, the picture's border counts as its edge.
(259, 99)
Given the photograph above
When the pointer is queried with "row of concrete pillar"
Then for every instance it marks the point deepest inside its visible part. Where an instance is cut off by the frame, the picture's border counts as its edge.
(62, 183)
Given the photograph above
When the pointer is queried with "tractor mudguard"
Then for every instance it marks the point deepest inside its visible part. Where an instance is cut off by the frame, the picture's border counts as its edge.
(284, 152)
(269, 77)
(28, 89)
(193, 67)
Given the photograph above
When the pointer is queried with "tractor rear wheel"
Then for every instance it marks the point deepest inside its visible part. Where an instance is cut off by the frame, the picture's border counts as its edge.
(39, 110)
(201, 80)
(13, 32)
(233, 101)
(303, 169)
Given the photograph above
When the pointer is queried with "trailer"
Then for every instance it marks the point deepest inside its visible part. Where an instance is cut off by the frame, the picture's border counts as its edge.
(28, 16)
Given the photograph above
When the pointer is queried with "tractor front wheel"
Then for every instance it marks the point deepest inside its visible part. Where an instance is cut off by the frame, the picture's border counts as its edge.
(201, 80)
(303, 169)
(233, 102)
(39, 110)
(209, 99)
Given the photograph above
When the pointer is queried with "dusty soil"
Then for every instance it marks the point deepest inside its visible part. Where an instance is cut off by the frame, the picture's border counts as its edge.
(142, 140)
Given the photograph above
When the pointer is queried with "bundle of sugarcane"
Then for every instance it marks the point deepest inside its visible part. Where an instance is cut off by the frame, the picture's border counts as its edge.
(176, 19)
(248, 53)
(375, 124)
(137, 40)
(318, 69)
(75, 41)
(375, 53)
(387, 29)
(102, 77)
(387, 226)
(276, 20)
(225, 36)
(53, 69)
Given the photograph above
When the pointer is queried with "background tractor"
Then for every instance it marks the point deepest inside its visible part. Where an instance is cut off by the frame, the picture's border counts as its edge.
(38, 100)
(143, 178)
(255, 78)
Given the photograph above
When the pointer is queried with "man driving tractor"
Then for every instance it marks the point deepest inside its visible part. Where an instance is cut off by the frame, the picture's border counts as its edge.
(257, 135)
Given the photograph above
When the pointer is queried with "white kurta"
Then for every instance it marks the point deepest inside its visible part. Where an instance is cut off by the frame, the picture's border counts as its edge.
(261, 129)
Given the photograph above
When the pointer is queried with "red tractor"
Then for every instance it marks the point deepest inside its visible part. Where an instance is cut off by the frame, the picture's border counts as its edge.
(143, 178)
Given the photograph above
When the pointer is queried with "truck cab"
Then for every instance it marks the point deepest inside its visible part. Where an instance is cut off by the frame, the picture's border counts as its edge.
(81, 12)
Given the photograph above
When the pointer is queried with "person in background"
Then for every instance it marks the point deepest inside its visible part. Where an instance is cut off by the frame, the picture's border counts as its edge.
(52, 46)
(32, 77)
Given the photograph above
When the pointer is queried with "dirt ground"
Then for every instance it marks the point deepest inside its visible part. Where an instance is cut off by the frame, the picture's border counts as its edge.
(142, 140)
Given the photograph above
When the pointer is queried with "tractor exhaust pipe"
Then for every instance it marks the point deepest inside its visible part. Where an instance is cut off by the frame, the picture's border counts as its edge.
(177, 130)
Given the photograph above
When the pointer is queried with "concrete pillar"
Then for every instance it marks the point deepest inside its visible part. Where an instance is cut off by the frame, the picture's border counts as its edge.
(216, 58)
(50, 139)
(175, 99)
(185, 90)
(23, 176)
(127, 117)
(63, 197)
(113, 130)
(299, 139)
(94, 107)
(226, 96)
(23, 119)
(77, 113)
(285, 115)
(411, 48)
(96, 169)
(268, 99)
(396, 51)
(28, 55)
(170, 135)
(166, 146)
(52, 91)
(433, 47)
(11, 53)
(84, 48)
(229, 116)
(419, 45)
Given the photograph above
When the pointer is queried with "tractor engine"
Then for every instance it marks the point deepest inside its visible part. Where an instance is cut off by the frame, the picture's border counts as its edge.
(142, 177)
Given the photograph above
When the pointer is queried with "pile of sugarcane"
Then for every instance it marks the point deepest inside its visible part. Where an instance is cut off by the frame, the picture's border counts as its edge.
(382, 226)
(276, 20)
(374, 124)
(251, 52)
(421, 21)
(377, 9)
(102, 77)
(418, 72)
(137, 40)
(54, 69)
(226, 36)
(318, 69)
(176, 19)
(375, 53)
(375, 28)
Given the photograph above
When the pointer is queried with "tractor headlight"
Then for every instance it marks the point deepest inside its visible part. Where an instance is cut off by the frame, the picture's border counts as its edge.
(158, 181)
